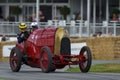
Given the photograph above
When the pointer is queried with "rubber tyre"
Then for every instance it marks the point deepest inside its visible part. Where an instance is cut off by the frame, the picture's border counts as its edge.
(53, 70)
(46, 59)
(85, 59)
(15, 59)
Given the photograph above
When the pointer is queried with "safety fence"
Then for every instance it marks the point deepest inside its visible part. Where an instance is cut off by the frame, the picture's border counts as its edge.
(74, 28)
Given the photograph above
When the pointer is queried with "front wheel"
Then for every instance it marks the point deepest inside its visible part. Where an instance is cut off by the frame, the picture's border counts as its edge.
(85, 59)
(15, 59)
(46, 59)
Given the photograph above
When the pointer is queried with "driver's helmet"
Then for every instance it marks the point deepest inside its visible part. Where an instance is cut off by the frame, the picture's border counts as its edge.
(34, 25)
(23, 27)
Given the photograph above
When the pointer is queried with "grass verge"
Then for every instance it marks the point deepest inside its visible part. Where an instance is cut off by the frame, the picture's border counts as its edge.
(108, 68)
(3, 79)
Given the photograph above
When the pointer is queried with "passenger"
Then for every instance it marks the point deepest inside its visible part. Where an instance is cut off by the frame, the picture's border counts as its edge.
(34, 26)
(24, 33)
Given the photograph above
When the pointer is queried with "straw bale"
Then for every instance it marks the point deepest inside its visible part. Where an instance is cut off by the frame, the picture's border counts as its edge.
(4, 59)
(0, 50)
(1, 47)
(104, 48)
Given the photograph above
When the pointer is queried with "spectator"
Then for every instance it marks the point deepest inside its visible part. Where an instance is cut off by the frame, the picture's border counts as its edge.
(41, 17)
(11, 18)
(1, 18)
(3, 37)
(99, 34)
(94, 35)
(110, 33)
(115, 17)
(34, 18)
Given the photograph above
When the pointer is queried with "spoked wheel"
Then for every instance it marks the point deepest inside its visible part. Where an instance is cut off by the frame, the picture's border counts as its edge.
(15, 59)
(85, 59)
(46, 59)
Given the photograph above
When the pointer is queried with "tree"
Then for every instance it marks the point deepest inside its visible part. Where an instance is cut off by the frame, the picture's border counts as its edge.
(64, 11)
(16, 10)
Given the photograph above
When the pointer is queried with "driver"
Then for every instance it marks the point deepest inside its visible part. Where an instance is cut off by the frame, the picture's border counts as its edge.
(24, 34)
(34, 26)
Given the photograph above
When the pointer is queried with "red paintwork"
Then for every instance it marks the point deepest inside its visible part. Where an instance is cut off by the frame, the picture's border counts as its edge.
(38, 39)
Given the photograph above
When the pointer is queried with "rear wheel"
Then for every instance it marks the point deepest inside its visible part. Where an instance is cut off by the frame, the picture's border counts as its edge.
(53, 70)
(85, 59)
(15, 59)
(46, 59)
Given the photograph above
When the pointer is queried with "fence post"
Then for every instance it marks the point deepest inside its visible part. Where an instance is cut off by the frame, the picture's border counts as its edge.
(72, 27)
(105, 24)
(114, 28)
(80, 22)
(87, 24)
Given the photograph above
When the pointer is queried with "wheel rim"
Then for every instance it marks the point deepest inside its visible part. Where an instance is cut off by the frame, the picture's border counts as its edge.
(13, 60)
(44, 60)
(83, 57)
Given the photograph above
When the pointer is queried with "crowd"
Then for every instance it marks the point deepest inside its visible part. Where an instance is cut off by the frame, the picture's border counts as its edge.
(99, 34)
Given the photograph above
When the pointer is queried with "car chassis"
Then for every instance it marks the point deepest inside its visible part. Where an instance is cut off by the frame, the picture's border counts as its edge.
(49, 49)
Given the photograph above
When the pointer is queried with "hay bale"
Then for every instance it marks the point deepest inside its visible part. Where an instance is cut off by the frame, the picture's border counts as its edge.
(1, 49)
(102, 48)
(4, 59)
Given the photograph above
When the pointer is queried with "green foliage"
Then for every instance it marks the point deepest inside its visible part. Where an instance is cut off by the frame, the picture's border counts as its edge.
(16, 10)
(65, 11)
(3, 79)
(116, 11)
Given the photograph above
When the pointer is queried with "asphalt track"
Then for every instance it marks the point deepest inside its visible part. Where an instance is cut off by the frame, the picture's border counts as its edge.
(28, 73)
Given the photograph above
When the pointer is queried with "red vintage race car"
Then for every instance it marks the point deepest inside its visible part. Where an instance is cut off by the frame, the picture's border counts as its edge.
(49, 49)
